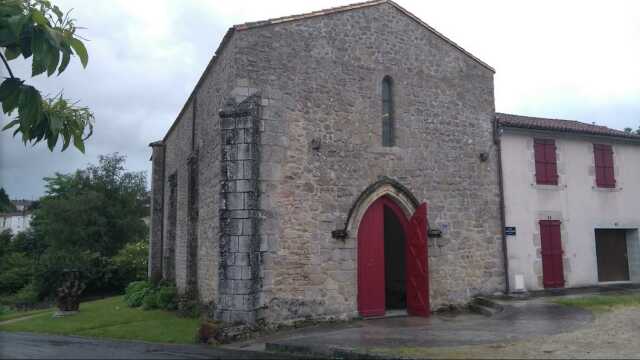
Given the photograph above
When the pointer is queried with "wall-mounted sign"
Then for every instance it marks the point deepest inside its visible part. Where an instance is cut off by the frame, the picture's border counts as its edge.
(509, 230)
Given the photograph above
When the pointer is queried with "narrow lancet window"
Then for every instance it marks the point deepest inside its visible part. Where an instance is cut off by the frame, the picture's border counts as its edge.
(387, 112)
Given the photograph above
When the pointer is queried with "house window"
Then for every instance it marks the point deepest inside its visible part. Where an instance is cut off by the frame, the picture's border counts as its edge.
(546, 164)
(387, 112)
(603, 156)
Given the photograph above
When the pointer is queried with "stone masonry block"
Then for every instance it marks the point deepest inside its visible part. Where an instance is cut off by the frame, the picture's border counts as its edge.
(234, 272)
(230, 153)
(235, 201)
(244, 122)
(246, 273)
(228, 123)
(241, 258)
(244, 151)
(244, 243)
(248, 167)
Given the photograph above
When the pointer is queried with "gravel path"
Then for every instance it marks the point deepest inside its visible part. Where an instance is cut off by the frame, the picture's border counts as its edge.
(613, 334)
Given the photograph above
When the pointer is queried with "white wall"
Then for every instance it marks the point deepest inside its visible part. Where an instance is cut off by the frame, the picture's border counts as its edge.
(15, 222)
(576, 201)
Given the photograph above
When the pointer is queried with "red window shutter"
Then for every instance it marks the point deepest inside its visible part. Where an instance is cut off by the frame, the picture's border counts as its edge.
(604, 169)
(546, 164)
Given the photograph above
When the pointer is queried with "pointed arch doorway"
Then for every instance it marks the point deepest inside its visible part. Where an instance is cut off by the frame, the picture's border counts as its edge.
(392, 260)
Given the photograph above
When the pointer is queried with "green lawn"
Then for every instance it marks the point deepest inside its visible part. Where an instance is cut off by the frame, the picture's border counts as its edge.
(600, 303)
(111, 318)
(13, 314)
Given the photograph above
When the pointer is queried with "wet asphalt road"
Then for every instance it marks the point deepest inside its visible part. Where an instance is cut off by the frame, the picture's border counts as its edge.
(36, 346)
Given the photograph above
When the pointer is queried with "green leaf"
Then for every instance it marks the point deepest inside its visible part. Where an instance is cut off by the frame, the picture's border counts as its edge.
(77, 141)
(30, 108)
(40, 49)
(80, 50)
(10, 103)
(56, 10)
(12, 52)
(55, 37)
(15, 24)
(66, 56)
(52, 140)
(8, 87)
(10, 94)
(25, 41)
(55, 124)
(39, 18)
(11, 124)
(6, 37)
(66, 140)
(54, 58)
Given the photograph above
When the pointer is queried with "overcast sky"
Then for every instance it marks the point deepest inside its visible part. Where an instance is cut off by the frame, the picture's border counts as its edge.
(565, 59)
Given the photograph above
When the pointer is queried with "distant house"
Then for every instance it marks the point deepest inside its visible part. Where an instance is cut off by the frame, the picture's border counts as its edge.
(18, 220)
(571, 195)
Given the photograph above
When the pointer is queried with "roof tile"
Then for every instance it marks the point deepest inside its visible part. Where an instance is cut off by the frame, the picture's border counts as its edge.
(537, 123)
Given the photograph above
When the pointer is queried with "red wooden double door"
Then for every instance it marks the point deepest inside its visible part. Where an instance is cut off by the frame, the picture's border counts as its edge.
(371, 259)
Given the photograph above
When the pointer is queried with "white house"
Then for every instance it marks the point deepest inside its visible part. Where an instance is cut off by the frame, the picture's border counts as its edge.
(572, 202)
(15, 221)
(19, 220)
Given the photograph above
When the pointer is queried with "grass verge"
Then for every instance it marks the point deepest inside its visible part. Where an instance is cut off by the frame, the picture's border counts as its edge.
(111, 318)
(601, 303)
(13, 314)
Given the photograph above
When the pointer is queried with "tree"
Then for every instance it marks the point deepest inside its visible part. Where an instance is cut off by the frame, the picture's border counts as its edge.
(630, 130)
(98, 209)
(39, 30)
(5, 203)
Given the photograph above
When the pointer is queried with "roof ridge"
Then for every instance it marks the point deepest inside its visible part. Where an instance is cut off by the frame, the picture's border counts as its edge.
(541, 123)
(331, 10)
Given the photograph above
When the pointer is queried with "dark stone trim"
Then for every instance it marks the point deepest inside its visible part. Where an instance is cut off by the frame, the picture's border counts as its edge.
(383, 180)
(169, 266)
(240, 259)
(156, 233)
(193, 215)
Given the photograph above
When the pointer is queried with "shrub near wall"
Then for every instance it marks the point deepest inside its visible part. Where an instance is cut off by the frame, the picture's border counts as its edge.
(144, 294)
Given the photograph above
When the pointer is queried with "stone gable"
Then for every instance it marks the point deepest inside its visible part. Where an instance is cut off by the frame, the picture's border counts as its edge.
(318, 85)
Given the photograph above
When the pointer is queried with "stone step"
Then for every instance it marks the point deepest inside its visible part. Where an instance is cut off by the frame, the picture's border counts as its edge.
(484, 306)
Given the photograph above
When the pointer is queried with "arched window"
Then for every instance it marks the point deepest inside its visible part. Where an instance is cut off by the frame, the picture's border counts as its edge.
(387, 112)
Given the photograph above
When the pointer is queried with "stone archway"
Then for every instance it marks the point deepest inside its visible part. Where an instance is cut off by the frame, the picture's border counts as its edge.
(383, 187)
(366, 223)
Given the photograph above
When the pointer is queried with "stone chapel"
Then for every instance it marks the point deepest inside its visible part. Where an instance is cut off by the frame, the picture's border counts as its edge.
(331, 165)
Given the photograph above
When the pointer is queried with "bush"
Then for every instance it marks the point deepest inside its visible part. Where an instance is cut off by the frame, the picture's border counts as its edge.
(143, 293)
(4, 310)
(131, 261)
(25, 297)
(97, 272)
(135, 293)
(16, 271)
(167, 297)
(150, 301)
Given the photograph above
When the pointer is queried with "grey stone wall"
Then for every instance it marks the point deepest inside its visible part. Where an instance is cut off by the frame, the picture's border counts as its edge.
(320, 81)
(320, 138)
(180, 143)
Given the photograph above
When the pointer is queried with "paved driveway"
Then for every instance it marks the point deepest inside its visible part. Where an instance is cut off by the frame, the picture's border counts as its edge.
(519, 320)
(34, 346)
